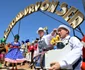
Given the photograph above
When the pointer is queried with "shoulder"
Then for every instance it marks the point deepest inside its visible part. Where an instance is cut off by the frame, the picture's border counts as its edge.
(49, 35)
(12, 43)
(45, 36)
(73, 38)
(75, 41)
(19, 43)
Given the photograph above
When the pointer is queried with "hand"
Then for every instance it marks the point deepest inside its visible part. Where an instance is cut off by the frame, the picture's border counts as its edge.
(55, 30)
(55, 66)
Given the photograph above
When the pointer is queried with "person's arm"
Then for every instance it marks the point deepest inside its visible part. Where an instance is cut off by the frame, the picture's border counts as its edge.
(53, 33)
(48, 38)
(19, 45)
(73, 56)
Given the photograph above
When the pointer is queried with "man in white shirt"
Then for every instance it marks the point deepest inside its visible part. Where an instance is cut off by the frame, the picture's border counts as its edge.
(72, 60)
(45, 38)
(44, 43)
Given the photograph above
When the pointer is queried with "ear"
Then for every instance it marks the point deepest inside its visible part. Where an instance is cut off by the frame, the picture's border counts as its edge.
(67, 31)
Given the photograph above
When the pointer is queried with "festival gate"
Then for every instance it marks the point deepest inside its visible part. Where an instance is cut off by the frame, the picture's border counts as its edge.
(72, 15)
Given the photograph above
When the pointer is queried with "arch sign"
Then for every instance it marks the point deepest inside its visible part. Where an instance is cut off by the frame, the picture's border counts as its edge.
(72, 15)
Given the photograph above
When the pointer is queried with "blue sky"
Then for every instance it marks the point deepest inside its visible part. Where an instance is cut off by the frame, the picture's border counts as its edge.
(29, 25)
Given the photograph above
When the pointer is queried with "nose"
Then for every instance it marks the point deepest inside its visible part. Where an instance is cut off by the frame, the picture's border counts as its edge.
(58, 32)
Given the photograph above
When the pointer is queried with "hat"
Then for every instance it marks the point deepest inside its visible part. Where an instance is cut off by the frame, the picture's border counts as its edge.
(23, 42)
(64, 26)
(2, 40)
(37, 38)
(27, 41)
(40, 28)
(32, 42)
(16, 36)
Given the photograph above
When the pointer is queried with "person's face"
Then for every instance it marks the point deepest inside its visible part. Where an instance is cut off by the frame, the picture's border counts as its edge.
(2, 44)
(16, 40)
(28, 44)
(22, 43)
(41, 33)
(62, 32)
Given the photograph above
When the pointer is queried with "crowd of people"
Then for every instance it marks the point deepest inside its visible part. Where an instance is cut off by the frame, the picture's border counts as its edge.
(18, 53)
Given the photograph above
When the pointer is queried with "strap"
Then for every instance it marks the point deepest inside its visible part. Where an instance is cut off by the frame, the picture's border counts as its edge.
(42, 45)
(75, 65)
(67, 42)
(61, 45)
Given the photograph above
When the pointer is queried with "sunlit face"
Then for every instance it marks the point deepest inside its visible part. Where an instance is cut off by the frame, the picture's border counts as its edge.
(41, 33)
(63, 32)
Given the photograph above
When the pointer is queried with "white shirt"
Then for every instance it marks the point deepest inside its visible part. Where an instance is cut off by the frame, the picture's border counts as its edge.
(47, 39)
(72, 57)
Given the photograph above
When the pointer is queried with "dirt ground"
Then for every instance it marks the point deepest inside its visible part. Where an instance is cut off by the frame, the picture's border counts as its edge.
(20, 67)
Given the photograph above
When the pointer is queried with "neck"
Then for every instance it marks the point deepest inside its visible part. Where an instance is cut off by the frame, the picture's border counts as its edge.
(41, 37)
(65, 36)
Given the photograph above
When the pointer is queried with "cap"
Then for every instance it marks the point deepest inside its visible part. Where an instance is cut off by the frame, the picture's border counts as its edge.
(64, 26)
(23, 42)
(40, 28)
(27, 41)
